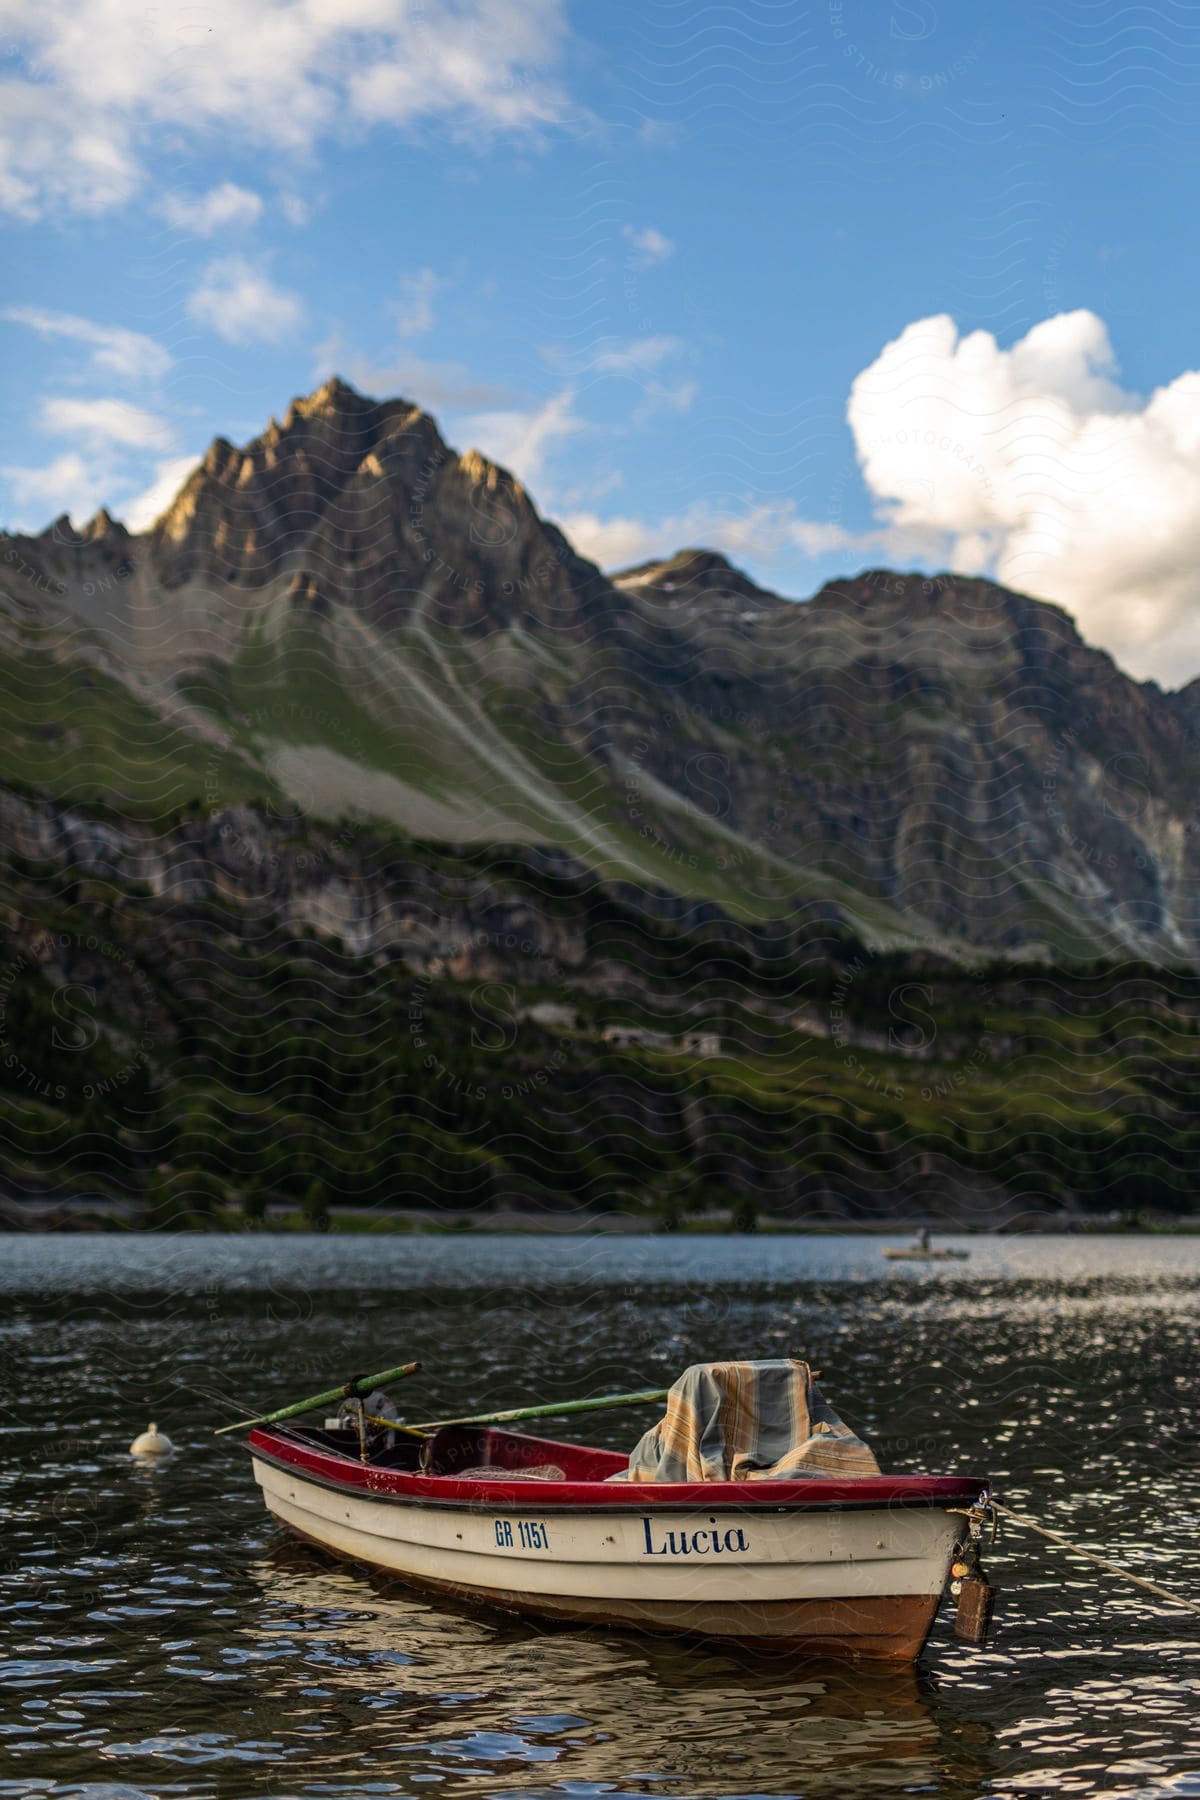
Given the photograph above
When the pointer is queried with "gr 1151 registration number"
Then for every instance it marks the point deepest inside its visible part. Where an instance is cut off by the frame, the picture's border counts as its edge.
(524, 1534)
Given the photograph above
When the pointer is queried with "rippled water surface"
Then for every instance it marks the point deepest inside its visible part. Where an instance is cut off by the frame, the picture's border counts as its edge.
(160, 1637)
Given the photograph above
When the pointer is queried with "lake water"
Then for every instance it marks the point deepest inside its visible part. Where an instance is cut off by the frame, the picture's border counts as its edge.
(160, 1637)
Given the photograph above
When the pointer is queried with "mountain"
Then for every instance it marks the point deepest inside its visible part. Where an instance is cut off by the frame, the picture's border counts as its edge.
(236, 1012)
(345, 620)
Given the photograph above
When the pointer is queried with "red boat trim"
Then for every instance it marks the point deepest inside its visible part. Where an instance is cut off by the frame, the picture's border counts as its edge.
(343, 1474)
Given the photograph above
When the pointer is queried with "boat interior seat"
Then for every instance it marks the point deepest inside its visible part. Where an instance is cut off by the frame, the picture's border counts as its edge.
(478, 1452)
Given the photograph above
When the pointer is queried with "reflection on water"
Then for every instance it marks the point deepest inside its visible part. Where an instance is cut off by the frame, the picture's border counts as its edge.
(159, 1636)
(478, 1697)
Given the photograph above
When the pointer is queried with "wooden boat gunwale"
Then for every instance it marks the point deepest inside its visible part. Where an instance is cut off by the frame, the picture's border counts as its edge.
(292, 1449)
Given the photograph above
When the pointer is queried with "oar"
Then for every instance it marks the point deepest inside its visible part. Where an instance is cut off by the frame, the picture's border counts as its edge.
(361, 1385)
(558, 1409)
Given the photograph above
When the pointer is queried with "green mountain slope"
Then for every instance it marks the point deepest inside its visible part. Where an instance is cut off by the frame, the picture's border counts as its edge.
(243, 1011)
(348, 620)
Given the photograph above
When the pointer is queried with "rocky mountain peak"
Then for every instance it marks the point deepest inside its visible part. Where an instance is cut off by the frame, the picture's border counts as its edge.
(964, 613)
(336, 402)
(949, 750)
(480, 472)
(334, 395)
(692, 573)
(100, 530)
(101, 526)
(365, 501)
(243, 510)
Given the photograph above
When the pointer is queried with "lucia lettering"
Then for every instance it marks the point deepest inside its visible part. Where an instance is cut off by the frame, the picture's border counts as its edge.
(709, 1540)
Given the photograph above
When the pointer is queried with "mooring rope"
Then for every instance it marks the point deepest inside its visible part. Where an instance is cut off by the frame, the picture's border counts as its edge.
(1101, 1562)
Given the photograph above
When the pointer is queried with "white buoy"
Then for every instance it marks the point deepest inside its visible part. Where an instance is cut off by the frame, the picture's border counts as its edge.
(152, 1442)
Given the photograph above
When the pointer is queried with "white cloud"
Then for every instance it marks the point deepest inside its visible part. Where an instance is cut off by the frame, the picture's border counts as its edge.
(660, 396)
(594, 488)
(414, 312)
(1035, 464)
(107, 433)
(116, 351)
(618, 543)
(105, 422)
(71, 484)
(239, 301)
(430, 385)
(295, 209)
(639, 356)
(222, 207)
(485, 59)
(140, 510)
(757, 533)
(57, 147)
(521, 441)
(107, 467)
(636, 360)
(649, 247)
(100, 83)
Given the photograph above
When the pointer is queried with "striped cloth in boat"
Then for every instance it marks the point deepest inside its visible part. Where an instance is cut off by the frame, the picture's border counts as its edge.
(749, 1421)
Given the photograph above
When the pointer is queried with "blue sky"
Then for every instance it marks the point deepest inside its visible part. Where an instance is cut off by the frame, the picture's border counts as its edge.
(826, 286)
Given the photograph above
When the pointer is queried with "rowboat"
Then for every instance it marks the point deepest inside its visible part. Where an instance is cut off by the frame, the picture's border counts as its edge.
(918, 1255)
(847, 1568)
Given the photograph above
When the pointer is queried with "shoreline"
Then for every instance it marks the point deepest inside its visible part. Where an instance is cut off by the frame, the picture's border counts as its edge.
(22, 1218)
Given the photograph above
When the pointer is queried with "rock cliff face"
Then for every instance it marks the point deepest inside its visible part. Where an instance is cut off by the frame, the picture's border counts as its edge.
(362, 504)
(236, 1007)
(350, 619)
(955, 750)
(535, 917)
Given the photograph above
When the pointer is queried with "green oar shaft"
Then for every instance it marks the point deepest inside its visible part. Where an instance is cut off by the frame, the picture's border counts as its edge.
(361, 1386)
(558, 1409)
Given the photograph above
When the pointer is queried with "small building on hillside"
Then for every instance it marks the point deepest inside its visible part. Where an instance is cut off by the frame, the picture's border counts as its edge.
(623, 1036)
(640, 1037)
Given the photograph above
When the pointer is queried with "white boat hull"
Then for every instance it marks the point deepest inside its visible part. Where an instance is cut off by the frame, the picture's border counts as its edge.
(864, 1581)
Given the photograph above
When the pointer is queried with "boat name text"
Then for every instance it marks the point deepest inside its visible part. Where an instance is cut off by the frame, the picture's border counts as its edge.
(701, 1542)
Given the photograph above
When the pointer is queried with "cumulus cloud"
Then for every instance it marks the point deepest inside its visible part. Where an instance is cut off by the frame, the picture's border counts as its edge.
(617, 543)
(105, 422)
(98, 84)
(521, 440)
(754, 534)
(140, 510)
(223, 207)
(638, 356)
(71, 483)
(648, 246)
(114, 350)
(1036, 465)
(239, 301)
(110, 442)
(60, 149)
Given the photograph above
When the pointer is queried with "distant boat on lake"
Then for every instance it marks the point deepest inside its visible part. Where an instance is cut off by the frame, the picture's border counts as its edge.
(923, 1251)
